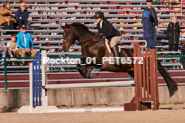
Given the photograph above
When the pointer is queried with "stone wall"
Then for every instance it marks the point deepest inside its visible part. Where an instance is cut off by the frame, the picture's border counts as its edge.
(82, 96)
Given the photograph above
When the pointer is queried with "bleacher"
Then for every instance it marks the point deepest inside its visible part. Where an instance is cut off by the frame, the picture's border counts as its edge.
(46, 16)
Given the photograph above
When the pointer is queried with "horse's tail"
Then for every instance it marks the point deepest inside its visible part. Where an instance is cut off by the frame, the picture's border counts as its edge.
(172, 86)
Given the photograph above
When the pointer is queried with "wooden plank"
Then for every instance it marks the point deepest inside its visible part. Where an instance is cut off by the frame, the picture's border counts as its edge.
(144, 74)
(147, 74)
(151, 75)
(140, 86)
(136, 76)
(155, 82)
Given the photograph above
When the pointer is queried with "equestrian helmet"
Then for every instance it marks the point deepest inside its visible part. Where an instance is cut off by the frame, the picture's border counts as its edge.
(149, 0)
(98, 14)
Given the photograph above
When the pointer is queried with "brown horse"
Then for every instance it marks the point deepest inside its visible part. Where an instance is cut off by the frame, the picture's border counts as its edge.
(95, 47)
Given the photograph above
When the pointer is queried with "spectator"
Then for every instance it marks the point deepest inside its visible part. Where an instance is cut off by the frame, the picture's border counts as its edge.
(22, 15)
(4, 49)
(13, 46)
(147, 28)
(6, 18)
(173, 33)
(25, 43)
(153, 19)
(182, 59)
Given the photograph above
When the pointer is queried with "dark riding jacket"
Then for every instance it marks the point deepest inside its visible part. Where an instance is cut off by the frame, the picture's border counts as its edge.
(108, 30)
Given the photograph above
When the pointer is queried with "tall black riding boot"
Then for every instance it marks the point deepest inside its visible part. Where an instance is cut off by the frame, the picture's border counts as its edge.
(115, 52)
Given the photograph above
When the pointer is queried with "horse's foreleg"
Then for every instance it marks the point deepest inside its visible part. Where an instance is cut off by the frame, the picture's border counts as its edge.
(82, 69)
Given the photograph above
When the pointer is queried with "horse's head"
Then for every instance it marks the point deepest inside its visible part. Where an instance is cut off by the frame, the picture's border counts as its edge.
(75, 32)
(68, 38)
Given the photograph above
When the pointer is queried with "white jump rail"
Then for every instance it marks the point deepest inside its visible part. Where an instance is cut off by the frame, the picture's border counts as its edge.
(86, 110)
(85, 85)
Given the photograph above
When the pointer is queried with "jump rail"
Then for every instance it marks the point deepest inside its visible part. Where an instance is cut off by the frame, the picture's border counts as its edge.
(146, 88)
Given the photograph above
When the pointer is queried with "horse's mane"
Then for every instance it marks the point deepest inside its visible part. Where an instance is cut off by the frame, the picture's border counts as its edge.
(81, 25)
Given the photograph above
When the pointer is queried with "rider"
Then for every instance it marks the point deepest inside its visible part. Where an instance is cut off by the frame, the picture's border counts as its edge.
(106, 29)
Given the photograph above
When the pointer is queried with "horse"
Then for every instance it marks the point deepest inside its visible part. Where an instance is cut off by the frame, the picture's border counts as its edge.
(94, 46)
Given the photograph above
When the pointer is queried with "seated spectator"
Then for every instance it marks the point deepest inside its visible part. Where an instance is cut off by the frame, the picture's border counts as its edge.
(173, 33)
(13, 46)
(25, 43)
(22, 15)
(4, 49)
(147, 28)
(6, 18)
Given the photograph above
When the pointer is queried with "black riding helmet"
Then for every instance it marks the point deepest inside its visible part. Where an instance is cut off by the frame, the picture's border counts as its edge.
(98, 14)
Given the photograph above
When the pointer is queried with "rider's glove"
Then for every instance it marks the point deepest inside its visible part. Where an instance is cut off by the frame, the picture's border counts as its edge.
(100, 34)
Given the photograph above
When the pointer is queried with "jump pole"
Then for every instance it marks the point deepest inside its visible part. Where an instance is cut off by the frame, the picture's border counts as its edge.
(134, 105)
(53, 109)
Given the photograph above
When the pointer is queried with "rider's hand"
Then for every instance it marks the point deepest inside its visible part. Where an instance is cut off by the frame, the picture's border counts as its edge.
(100, 34)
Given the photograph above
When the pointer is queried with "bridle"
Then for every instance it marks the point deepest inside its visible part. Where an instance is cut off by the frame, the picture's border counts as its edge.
(67, 40)
(91, 38)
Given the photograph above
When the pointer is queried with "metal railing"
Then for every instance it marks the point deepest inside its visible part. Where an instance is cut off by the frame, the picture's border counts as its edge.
(9, 59)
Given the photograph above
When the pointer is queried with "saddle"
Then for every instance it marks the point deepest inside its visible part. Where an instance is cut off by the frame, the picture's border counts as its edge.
(107, 43)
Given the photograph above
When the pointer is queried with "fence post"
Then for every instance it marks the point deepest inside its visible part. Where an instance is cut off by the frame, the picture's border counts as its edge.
(39, 58)
(5, 73)
(31, 87)
(36, 81)
(44, 92)
(33, 83)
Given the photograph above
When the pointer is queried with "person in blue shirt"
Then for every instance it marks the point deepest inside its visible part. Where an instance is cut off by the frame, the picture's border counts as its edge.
(22, 15)
(25, 43)
(147, 28)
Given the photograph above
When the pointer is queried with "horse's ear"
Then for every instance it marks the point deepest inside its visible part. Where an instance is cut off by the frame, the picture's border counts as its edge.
(67, 26)
(63, 27)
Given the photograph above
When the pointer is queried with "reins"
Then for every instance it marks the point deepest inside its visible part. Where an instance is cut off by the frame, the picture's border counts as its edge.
(93, 39)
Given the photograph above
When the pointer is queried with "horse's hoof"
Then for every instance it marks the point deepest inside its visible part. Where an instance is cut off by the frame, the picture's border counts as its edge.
(89, 75)
(78, 67)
